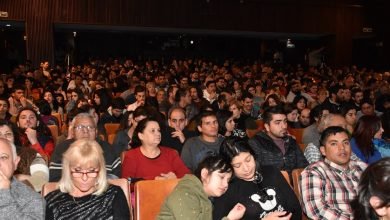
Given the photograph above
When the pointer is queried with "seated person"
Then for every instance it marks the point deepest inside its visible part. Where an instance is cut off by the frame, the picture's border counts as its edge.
(327, 187)
(17, 200)
(33, 133)
(176, 133)
(190, 198)
(149, 160)
(372, 201)
(273, 146)
(82, 126)
(261, 189)
(83, 191)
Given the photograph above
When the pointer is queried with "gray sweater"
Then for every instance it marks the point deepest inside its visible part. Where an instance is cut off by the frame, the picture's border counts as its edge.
(196, 149)
(21, 202)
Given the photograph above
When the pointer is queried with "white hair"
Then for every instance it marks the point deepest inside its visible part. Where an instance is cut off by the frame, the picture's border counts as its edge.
(13, 147)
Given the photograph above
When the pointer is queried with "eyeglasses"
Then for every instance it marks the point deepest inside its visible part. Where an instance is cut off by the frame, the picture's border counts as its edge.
(83, 128)
(90, 174)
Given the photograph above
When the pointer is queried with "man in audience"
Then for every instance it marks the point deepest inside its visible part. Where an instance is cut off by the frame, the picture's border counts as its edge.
(207, 143)
(335, 99)
(176, 134)
(357, 96)
(296, 89)
(367, 107)
(274, 146)
(113, 114)
(247, 105)
(17, 200)
(83, 126)
(304, 118)
(17, 100)
(328, 186)
(312, 149)
(183, 100)
(210, 93)
(311, 133)
(139, 94)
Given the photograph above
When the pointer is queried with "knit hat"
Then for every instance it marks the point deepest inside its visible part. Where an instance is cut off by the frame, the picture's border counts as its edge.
(39, 173)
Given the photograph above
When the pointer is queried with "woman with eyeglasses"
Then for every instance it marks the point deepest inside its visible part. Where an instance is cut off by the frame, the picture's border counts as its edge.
(83, 191)
(261, 189)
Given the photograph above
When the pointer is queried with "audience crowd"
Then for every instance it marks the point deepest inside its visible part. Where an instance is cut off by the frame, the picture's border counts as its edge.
(242, 123)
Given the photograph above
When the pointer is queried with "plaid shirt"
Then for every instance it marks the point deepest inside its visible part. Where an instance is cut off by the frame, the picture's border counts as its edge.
(327, 189)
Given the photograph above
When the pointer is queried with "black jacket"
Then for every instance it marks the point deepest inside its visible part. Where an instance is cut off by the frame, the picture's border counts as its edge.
(268, 153)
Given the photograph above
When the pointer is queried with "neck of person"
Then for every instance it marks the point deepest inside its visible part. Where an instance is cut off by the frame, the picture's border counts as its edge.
(77, 193)
(150, 151)
(210, 139)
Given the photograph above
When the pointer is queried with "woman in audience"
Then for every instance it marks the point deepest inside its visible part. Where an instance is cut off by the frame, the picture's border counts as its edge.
(149, 160)
(292, 115)
(55, 108)
(226, 123)
(101, 100)
(271, 100)
(45, 113)
(32, 167)
(83, 191)
(33, 133)
(373, 199)
(262, 190)
(367, 139)
(190, 198)
(300, 102)
(236, 108)
(348, 110)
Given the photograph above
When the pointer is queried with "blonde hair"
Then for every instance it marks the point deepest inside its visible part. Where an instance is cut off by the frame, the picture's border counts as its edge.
(83, 151)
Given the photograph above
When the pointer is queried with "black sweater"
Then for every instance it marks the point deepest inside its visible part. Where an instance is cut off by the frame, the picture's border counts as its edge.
(271, 194)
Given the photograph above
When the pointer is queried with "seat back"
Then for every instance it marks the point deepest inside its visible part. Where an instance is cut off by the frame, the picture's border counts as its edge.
(286, 177)
(48, 188)
(297, 133)
(150, 195)
(58, 117)
(54, 132)
(252, 132)
(111, 128)
(295, 176)
(111, 138)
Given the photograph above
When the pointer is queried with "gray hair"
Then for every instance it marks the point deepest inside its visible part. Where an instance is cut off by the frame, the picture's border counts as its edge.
(82, 115)
(12, 145)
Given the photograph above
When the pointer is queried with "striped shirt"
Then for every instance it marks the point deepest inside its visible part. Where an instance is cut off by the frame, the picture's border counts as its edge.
(327, 189)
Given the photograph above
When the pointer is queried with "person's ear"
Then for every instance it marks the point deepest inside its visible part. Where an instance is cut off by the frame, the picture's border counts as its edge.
(375, 202)
(37, 123)
(16, 161)
(323, 152)
(140, 136)
(266, 126)
(199, 128)
(186, 122)
(204, 173)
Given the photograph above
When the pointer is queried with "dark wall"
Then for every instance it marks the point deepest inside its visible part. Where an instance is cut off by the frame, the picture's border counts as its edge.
(343, 18)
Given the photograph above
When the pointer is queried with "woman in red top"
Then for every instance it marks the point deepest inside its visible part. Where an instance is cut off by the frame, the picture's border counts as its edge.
(34, 133)
(149, 160)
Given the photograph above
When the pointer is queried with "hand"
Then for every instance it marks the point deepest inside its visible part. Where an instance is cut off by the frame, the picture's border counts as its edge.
(166, 176)
(23, 101)
(237, 212)
(31, 135)
(179, 134)
(5, 183)
(278, 216)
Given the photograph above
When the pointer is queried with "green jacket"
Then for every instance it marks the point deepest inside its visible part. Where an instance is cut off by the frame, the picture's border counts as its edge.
(187, 201)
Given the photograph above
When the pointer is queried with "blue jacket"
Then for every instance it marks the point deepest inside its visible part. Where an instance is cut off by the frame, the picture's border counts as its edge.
(370, 159)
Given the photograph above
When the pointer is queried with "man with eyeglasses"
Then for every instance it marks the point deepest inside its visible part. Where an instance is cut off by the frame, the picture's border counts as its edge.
(17, 200)
(83, 126)
(176, 134)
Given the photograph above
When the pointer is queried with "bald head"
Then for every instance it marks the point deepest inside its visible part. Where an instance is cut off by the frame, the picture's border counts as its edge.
(332, 120)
